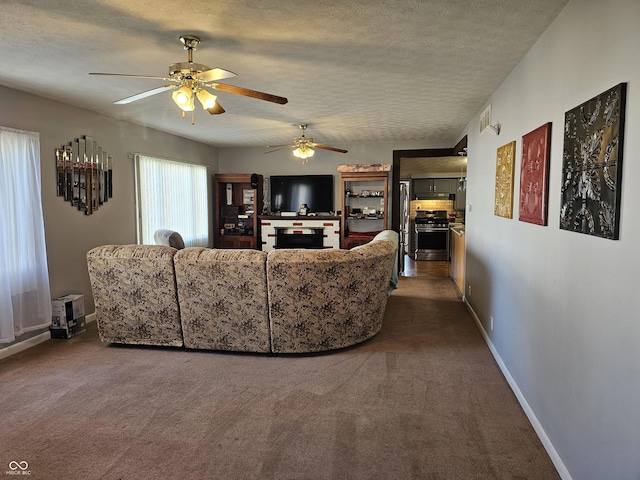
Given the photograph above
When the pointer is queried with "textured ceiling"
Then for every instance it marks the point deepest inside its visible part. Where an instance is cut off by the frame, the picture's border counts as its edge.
(356, 71)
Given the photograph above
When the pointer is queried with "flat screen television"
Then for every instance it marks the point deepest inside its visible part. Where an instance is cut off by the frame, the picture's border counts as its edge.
(288, 192)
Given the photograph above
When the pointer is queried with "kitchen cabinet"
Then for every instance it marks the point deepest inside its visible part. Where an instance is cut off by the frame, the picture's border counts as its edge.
(421, 186)
(433, 187)
(364, 206)
(443, 185)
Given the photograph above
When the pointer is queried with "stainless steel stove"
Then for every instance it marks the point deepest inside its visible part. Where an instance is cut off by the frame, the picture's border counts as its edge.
(431, 235)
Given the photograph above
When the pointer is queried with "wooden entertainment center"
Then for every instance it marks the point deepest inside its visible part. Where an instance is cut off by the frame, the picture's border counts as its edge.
(239, 223)
(238, 202)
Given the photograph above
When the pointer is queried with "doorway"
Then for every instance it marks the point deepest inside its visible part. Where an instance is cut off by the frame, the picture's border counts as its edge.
(398, 209)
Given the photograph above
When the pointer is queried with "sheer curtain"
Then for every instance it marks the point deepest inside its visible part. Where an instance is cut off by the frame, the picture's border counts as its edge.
(25, 301)
(173, 195)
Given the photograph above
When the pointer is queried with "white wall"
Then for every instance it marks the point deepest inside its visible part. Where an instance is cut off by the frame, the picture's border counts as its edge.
(69, 232)
(566, 319)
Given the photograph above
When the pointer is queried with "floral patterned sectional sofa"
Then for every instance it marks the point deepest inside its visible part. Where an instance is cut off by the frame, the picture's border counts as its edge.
(286, 301)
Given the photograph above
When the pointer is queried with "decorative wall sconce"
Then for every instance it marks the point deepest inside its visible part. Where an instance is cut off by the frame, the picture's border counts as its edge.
(84, 174)
(494, 129)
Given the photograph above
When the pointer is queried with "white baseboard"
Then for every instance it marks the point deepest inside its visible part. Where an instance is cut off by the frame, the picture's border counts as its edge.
(21, 346)
(33, 341)
(535, 423)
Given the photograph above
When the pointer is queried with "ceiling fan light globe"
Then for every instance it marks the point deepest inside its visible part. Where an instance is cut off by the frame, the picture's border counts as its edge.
(183, 97)
(303, 152)
(206, 99)
(189, 107)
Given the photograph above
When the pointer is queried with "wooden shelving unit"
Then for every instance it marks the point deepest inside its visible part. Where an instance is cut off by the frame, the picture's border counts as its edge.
(364, 206)
(236, 221)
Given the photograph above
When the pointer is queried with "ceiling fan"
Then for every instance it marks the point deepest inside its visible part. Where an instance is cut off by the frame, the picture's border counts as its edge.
(304, 146)
(191, 80)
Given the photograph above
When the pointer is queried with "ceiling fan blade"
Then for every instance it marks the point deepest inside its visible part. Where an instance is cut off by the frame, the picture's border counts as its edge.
(217, 110)
(248, 93)
(126, 75)
(282, 147)
(146, 94)
(327, 147)
(214, 74)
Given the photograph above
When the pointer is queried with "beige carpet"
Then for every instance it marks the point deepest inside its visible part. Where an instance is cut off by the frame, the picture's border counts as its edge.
(423, 399)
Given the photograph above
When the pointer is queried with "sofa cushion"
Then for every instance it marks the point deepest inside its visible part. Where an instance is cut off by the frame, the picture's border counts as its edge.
(325, 299)
(223, 299)
(135, 295)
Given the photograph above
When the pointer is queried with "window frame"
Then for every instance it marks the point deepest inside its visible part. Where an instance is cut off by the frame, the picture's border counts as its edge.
(201, 232)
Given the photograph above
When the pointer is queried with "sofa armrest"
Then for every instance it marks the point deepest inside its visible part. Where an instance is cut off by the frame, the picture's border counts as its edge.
(391, 236)
(169, 238)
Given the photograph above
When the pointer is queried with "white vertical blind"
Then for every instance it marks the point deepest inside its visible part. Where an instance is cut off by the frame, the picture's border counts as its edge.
(172, 195)
(25, 298)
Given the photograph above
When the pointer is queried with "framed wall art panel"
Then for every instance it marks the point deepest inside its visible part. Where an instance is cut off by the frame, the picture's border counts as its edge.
(534, 176)
(505, 161)
(592, 165)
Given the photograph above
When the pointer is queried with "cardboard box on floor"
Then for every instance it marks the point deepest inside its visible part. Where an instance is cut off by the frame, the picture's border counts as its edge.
(67, 316)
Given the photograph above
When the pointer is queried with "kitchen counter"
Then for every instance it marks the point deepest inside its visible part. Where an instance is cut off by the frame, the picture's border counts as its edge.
(457, 254)
(457, 228)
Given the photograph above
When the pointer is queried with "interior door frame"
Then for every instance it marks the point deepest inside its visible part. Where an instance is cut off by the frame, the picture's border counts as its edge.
(398, 155)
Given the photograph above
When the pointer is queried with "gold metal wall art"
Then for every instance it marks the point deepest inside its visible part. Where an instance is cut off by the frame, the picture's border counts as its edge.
(505, 161)
(84, 174)
(592, 165)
